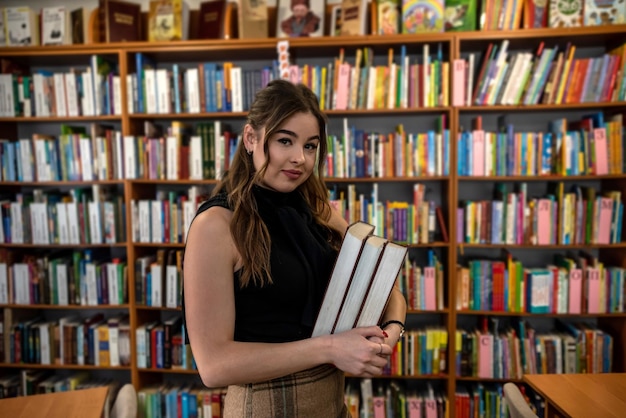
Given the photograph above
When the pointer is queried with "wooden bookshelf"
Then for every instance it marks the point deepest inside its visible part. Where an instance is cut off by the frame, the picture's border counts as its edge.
(449, 188)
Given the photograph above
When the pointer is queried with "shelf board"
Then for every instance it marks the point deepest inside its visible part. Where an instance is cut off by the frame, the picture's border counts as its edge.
(540, 247)
(62, 366)
(550, 315)
(551, 177)
(65, 307)
(62, 246)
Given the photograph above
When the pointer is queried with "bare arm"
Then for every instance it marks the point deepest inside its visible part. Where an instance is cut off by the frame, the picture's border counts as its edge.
(210, 260)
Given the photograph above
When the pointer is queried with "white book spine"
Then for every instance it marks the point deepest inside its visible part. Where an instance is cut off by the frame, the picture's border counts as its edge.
(63, 229)
(91, 284)
(163, 91)
(44, 343)
(117, 95)
(71, 93)
(237, 90)
(156, 291)
(144, 221)
(172, 152)
(26, 154)
(4, 283)
(130, 157)
(17, 223)
(86, 159)
(7, 100)
(112, 279)
(62, 287)
(195, 158)
(95, 222)
(114, 348)
(193, 93)
(151, 89)
(59, 94)
(171, 282)
(157, 221)
(140, 336)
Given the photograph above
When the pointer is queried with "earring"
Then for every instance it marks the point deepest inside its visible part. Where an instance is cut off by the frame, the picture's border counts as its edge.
(249, 152)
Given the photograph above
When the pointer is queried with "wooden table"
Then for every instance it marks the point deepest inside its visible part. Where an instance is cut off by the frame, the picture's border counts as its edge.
(581, 395)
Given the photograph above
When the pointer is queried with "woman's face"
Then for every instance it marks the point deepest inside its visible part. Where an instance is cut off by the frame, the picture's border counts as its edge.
(292, 153)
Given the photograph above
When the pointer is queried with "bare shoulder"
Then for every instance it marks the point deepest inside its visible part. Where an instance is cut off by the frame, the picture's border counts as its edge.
(210, 233)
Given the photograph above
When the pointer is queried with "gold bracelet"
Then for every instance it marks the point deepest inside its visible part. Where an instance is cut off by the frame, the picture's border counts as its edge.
(394, 321)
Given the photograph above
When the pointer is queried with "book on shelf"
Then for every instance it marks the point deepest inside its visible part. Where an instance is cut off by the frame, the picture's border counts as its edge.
(363, 276)
(79, 21)
(56, 27)
(119, 21)
(21, 26)
(611, 12)
(535, 13)
(334, 28)
(211, 19)
(565, 13)
(460, 15)
(422, 16)
(168, 20)
(300, 18)
(388, 17)
(3, 33)
(354, 17)
(253, 19)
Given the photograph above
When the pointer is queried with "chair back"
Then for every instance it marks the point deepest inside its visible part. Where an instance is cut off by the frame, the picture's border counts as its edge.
(125, 404)
(518, 407)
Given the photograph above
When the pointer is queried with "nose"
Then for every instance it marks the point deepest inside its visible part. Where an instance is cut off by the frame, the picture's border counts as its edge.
(297, 157)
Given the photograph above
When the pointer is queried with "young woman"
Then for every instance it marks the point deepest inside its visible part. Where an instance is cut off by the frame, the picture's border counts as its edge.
(258, 258)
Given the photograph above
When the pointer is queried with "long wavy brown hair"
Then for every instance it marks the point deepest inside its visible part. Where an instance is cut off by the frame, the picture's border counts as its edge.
(272, 106)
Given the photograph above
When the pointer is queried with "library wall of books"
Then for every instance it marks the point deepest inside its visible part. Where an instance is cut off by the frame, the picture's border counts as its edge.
(485, 136)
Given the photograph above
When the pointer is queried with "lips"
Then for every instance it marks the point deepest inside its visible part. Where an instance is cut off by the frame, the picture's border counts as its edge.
(292, 174)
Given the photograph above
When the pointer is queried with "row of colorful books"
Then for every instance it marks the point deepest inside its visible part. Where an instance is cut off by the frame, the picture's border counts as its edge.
(549, 76)
(487, 400)
(420, 352)
(423, 285)
(165, 219)
(417, 222)
(589, 146)
(63, 279)
(161, 345)
(70, 340)
(180, 400)
(158, 279)
(560, 288)
(80, 216)
(389, 398)
(514, 350)
(580, 216)
(93, 92)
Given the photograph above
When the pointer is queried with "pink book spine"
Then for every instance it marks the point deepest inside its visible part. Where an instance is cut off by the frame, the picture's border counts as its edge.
(593, 290)
(599, 139)
(478, 153)
(575, 291)
(429, 288)
(485, 358)
(604, 222)
(543, 221)
(379, 407)
(431, 408)
(415, 407)
(343, 87)
(458, 82)
(294, 74)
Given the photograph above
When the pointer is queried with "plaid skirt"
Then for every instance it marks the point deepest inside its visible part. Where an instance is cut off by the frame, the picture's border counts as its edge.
(312, 393)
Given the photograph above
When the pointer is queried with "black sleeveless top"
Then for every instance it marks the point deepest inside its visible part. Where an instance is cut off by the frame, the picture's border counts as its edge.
(301, 262)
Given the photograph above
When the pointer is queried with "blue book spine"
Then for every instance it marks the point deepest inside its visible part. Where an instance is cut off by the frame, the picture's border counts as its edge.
(176, 78)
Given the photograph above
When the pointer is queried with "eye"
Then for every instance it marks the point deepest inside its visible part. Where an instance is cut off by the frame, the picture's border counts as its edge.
(284, 141)
(312, 146)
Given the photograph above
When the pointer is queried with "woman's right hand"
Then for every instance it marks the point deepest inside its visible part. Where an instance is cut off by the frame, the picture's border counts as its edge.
(360, 352)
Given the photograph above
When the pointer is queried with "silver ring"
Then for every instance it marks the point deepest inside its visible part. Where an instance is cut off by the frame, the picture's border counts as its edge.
(381, 349)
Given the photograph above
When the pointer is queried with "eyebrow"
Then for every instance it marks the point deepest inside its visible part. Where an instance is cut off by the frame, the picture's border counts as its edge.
(291, 133)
